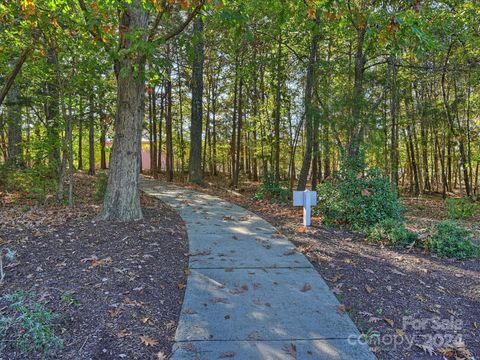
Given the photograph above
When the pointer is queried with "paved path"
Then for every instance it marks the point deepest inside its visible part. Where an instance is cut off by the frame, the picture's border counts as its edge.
(249, 295)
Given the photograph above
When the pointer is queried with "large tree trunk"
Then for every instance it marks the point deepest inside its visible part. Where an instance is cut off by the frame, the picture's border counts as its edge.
(309, 112)
(195, 160)
(122, 198)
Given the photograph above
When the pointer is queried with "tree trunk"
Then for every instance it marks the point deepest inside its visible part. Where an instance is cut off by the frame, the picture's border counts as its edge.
(91, 137)
(80, 135)
(122, 197)
(195, 160)
(51, 115)
(278, 106)
(168, 127)
(309, 112)
(14, 122)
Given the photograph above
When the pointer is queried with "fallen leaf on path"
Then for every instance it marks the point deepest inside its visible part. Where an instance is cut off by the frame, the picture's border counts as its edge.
(306, 287)
(239, 290)
(254, 335)
(341, 309)
(290, 350)
(226, 354)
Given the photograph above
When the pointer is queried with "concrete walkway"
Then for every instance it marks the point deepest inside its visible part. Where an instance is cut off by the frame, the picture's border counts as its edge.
(249, 294)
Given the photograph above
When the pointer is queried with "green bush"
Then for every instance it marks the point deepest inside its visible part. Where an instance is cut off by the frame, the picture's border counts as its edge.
(451, 240)
(358, 201)
(461, 208)
(101, 186)
(272, 190)
(34, 183)
(391, 232)
(27, 325)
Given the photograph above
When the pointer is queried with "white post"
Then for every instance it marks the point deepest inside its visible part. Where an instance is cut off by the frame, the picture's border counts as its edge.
(307, 211)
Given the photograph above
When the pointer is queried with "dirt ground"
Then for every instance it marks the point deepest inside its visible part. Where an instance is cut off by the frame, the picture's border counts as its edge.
(116, 288)
(407, 303)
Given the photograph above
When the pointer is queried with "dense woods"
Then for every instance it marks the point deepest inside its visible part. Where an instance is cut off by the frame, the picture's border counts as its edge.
(279, 90)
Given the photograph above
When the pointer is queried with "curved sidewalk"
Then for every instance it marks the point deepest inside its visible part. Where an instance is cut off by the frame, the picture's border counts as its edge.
(249, 294)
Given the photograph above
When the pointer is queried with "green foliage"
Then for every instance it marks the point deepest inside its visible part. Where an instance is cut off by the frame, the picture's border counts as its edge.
(272, 190)
(391, 232)
(358, 201)
(69, 300)
(461, 208)
(28, 325)
(33, 183)
(452, 240)
(101, 186)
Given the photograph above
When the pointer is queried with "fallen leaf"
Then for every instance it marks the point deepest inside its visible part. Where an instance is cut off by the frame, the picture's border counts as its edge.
(148, 341)
(123, 333)
(389, 321)
(306, 287)
(400, 332)
(161, 356)
(114, 312)
(368, 289)
(290, 350)
(301, 229)
(427, 348)
(341, 309)
(226, 354)
(254, 335)
(181, 286)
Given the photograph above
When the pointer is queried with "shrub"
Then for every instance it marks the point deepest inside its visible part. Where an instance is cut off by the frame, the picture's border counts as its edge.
(461, 208)
(391, 232)
(101, 186)
(27, 325)
(359, 201)
(35, 183)
(451, 240)
(272, 190)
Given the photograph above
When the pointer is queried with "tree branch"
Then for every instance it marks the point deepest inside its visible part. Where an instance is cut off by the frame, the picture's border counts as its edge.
(182, 26)
(97, 36)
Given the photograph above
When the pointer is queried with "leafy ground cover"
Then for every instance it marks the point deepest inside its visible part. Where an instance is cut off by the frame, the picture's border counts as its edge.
(385, 288)
(81, 289)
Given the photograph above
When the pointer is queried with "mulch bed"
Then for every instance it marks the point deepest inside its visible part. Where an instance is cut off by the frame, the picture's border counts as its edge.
(116, 288)
(384, 290)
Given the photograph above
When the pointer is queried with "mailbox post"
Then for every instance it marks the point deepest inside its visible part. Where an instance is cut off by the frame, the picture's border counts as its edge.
(307, 199)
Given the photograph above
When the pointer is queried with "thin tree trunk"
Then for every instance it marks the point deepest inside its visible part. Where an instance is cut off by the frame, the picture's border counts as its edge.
(195, 160)
(309, 111)
(91, 137)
